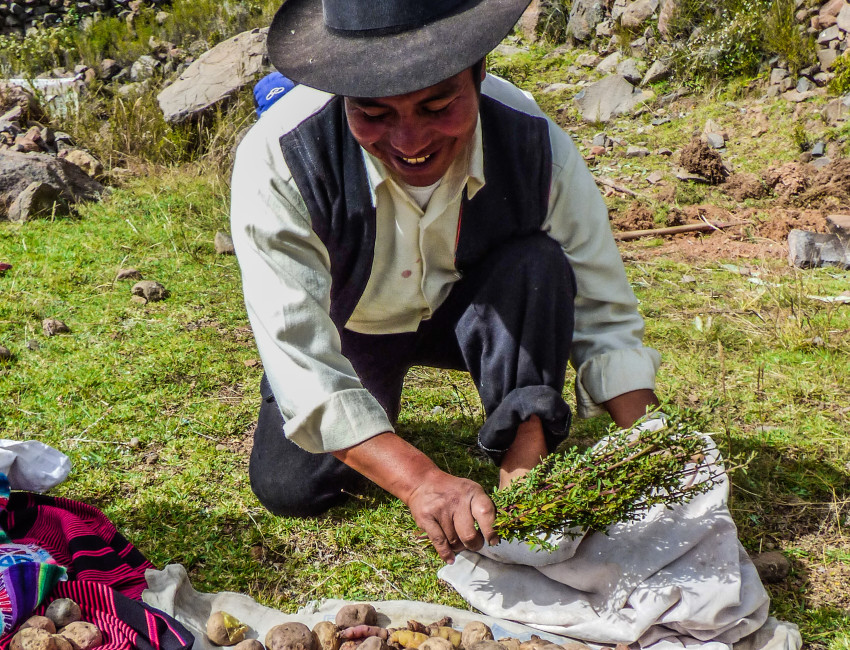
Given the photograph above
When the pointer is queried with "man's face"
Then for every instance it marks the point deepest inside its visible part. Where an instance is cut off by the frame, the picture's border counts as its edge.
(417, 135)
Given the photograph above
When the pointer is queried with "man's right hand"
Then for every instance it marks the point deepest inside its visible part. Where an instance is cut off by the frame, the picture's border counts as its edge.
(445, 507)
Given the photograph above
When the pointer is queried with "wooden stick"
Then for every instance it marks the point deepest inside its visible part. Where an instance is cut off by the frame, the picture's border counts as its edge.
(675, 230)
(607, 182)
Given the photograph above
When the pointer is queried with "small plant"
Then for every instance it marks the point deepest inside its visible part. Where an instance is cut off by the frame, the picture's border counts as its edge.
(800, 137)
(636, 469)
(841, 83)
(783, 36)
(43, 48)
(554, 17)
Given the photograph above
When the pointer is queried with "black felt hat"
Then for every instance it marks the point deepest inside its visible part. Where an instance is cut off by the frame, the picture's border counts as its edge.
(380, 48)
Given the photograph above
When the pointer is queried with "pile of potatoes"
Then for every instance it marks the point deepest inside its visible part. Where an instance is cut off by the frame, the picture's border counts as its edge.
(355, 628)
(61, 628)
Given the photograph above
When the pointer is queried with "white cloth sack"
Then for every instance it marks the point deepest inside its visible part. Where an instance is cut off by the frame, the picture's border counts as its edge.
(677, 578)
(32, 466)
(171, 592)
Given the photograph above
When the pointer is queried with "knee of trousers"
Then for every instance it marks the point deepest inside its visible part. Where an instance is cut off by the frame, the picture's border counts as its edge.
(536, 261)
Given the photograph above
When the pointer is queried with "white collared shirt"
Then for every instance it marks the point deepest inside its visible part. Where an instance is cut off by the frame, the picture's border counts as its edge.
(286, 275)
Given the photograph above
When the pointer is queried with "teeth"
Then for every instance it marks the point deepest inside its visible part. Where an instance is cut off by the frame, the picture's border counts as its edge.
(416, 161)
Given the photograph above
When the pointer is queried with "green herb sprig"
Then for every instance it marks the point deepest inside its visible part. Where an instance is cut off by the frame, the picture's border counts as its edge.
(573, 492)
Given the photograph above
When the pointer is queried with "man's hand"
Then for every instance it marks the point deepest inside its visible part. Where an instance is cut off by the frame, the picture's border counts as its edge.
(446, 507)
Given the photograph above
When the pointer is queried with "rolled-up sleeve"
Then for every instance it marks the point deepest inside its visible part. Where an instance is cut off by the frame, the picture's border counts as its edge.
(286, 283)
(608, 353)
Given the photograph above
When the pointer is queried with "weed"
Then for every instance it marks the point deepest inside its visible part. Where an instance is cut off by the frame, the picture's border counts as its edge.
(783, 35)
(841, 82)
(554, 17)
(43, 48)
(800, 137)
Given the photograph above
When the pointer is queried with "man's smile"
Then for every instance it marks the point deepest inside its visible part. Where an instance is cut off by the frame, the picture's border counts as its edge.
(415, 161)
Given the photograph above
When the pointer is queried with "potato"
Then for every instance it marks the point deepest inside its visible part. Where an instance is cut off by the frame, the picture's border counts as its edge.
(291, 636)
(40, 622)
(448, 633)
(325, 633)
(249, 644)
(536, 643)
(33, 638)
(82, 635)
(474, 632)
(487, 644)
(224, 629)
(359, 614)
(436, 643)
(511, 643)
(373, 643)
(63, 611)
(574, 645)
(408, 638)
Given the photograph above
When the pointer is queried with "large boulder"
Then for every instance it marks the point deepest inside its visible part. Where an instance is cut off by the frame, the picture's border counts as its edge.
(215, 76)
(584, 16)
(20, 100)
(19, 171)
(638, 12)
(608, 98)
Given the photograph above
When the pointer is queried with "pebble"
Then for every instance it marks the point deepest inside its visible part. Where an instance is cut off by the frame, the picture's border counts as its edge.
(134, 442)
(128, 274)
(52, 327)
(772, 566)
(5, 353)
(32, 344)
(223, 244)
(149, 290)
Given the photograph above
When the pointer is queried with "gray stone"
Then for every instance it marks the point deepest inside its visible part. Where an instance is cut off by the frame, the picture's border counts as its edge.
(108, 69)
(605, 29)
(557, 88)
(585, 15)
(150, 290)
(609, 63)
(772, 566)
(145, 67)
(820, 163)
(818, 150)
(224, 244)
(843, 22)
(786, 84)
(610, 97)
(777, 75)
(215, 76)
(827, 57)
(629, 69)
(5, 353)
(658, 71)
(654, 178)
(588, 60)
(804, 85)
(715, 140)
(637, 13)
(601, 140)
(810, 250)
(128, 274)
(53, 326)
(839, 225)
(19, 170)
(637, 152)
(829, 34)
(529, 22)
(37, 199)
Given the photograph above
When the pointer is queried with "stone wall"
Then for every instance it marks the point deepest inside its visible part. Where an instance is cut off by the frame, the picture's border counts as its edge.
(16, 16)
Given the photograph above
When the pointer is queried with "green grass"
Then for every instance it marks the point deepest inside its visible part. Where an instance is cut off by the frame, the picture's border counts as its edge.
(768, 362)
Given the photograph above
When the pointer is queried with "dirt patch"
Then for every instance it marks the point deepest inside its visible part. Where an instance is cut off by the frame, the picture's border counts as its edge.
(745, 186)
(790, 179)
(781, 221)
(698, 158)
(637, 217)
(803, 185)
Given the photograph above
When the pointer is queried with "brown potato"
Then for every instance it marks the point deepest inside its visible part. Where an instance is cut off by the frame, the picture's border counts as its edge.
(359, 614)
(536, 643)
(474, 632)
(325, 632)
(510, 643)
(373, 643)
(40, 622)
(436, 643)
(63, 611)
(291, 636)
(408, 638)
(574, 645)
(249, 644)
(82, 635)
(453, 636)
(62, 643)
(486, 645)
(225, 629)
(352, 644)
(33, 638)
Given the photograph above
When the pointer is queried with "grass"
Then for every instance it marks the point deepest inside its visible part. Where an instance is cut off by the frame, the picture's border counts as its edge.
(768, 361)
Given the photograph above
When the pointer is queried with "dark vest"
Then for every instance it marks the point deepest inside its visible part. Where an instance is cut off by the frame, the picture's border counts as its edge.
(327, 165)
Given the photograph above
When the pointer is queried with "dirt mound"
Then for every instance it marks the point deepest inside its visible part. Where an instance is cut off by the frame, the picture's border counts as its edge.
(745, 186)
(790, 179)
(637, 217)
(803, 185)
(698, 158)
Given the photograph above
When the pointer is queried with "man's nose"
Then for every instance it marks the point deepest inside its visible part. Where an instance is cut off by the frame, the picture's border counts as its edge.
(410, 136)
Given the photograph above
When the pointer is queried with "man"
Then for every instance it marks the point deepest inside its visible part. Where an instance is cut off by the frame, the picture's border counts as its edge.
(422, 213)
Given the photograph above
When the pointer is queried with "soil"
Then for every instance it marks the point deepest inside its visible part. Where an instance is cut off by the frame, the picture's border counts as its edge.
(698, 158)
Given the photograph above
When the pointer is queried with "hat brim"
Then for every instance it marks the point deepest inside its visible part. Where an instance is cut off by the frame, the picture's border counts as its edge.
(383, 65)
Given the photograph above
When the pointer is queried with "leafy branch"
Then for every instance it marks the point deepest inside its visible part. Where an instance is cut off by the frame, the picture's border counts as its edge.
(635, 469)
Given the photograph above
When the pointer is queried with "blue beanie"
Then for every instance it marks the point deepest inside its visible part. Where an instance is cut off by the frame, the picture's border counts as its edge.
(269, 89)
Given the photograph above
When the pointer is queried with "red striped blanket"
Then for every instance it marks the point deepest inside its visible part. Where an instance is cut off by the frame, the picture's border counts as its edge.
(106, 572)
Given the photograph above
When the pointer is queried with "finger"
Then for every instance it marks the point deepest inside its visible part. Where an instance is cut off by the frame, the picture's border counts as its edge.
(464, 524)
(485, 514)
(438, 540)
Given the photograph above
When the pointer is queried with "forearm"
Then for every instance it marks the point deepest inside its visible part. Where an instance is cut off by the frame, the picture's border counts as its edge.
(629, 407)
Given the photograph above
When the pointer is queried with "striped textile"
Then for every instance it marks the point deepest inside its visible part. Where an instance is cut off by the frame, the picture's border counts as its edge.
(106, 573)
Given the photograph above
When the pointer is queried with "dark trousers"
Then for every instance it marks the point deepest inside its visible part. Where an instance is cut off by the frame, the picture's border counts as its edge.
(508, 322)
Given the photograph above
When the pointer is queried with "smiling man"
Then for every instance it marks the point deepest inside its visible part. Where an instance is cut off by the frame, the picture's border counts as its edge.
(400, 207)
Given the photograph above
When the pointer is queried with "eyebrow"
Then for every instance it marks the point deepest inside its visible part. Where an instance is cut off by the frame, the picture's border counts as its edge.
(372, 102)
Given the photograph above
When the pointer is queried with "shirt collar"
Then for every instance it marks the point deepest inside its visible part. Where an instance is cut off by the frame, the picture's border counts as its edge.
(377, 173)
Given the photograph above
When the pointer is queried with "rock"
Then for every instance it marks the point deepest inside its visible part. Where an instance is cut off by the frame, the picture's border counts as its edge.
(128, 274)
(33, 345)
(608, 98)
(837, 110)
(37, 199)
(637, 13)
(777, 75)
(5, 353)
(715, 140)
(84, 160)
(223, 244)
(215, 76)
(557, 88)
(658, 71)
(829, 34)
(145, 67)
(654, 178)
(796, 97)
(12, 95)
(820, 163)
(149, 290)
(831, 8)
(637, 152)
(629, 69)
(843, 22)
(52, 327)
(810, 250)
(585, 15)
(108, 69)
(597, 151)
(772, 566)
(588, 60)
(601, 140)
(529, 22)
(804, 85)
(609, 63)
(818, 150)
(826, 57)
(18, 171)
